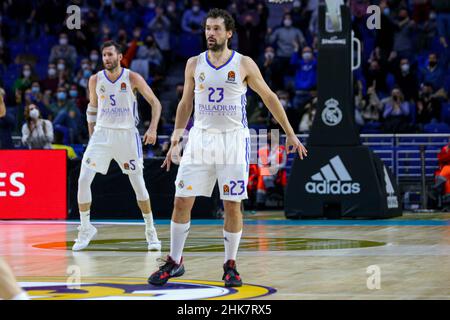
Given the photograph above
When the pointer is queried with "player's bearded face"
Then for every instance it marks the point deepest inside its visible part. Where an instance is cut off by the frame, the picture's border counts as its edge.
(216, 34)
(110, 59)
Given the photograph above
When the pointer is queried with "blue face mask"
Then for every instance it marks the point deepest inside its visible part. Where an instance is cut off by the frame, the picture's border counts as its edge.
(61, 96)
(73, 93)
(35, 90)
(87, 73)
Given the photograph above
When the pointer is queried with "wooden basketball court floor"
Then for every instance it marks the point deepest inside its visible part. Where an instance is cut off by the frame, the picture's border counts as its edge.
(402, 258)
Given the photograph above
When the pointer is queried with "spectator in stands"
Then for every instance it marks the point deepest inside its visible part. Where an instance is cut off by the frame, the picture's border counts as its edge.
(82, 77)
(428, 105)
(68, 117)
(371, 106)
(248, 33)
(63, 72)
(64, 51)
(192, 19)
(308, 116)
(377, 73)
(52, 81)
(305, 76)
(25, 79)
(34, 96)
(395, 113)
(266, 65)
(7, 123)
(79, 100)
(432, 73)
(442, 9)
(37, 133)
(47, 100)
(173, 105)
(174, 16)
(384, 39)
(403, 42)
(58, 144)
(149, 60)
(301, 16)
(160, 28)
(286, 39)
(95, 61)
(407, 80)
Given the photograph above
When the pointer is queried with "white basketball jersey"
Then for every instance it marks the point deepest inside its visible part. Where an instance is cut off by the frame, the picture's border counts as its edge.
(219, 95)
(117, 105)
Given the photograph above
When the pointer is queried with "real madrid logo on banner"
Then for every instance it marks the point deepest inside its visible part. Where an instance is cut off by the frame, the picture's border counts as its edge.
(331, 114)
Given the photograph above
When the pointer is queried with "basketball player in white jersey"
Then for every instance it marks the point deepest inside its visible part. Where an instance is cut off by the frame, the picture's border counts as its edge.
(218, 80)
(112, 110)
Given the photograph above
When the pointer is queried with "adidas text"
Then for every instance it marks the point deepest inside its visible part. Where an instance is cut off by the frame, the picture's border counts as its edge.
(334, 187)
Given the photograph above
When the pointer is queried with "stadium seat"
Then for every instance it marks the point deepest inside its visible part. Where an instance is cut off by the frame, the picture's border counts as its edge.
(445, 113)
(436, 127)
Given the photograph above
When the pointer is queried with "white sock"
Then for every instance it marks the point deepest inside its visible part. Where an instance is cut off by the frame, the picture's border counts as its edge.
(21, 296)
(178, 235)
(148, 218)
(231, 243)
(85, 218)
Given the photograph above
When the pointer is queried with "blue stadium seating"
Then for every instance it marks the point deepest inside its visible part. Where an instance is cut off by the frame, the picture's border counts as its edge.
(445, 113)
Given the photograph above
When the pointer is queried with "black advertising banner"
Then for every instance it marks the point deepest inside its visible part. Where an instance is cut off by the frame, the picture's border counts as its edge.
(341, 182)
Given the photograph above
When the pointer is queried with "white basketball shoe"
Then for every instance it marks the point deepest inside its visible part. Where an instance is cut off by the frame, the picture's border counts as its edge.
(85, 236)
(152, 239)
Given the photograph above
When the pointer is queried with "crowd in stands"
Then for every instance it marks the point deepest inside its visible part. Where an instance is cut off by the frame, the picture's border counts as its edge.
(402, 86)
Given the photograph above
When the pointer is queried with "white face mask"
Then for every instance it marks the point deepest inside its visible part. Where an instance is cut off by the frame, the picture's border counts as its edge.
(405, 67)
(34, 114)
(51, 72)
(94, 57)
(61, 66)
(26, 73)
(287, 23)
(196, 9)
(283, 102)
(296, 4)
(269, 55)
(307, 56)
(63, 41)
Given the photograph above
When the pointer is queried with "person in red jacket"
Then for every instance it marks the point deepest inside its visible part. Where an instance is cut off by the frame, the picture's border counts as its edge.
(442, 176)
(271, 170)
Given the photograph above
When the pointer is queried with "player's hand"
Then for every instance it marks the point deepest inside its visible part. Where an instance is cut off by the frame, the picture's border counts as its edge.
(149, 137)
(293, 145)
(173, 155)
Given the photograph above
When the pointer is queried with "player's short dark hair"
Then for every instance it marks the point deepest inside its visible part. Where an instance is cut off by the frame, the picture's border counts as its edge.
(112, 43)
(220, 13)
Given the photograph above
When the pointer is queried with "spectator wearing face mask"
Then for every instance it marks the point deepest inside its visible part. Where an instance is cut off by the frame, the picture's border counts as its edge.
(248, 36)
(51, 81)
(376, 72)
(428, 105)
(68, 117)
(79, 100)
(37, 133)
(149, 60)
(192, 19)
(305, 76)
(64, 51)
(25, 79)
(34, 96)
(395, 113)
(287, 39)
(82, 77)
(266, 65)
(7, 124)
(159, 26)
(403, 36)
(432, 73)
(308, 116)
(406, 79)
(95, 61)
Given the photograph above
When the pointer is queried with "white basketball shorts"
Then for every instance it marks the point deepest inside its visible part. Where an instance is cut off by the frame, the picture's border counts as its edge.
(209, 157)
(122, 145)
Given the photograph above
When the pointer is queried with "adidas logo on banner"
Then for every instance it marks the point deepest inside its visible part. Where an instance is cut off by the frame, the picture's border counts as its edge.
(392, 201)
(333, 178)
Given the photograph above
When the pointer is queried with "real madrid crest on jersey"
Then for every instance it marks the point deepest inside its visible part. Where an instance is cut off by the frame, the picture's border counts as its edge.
(201, 77)
(102, 89)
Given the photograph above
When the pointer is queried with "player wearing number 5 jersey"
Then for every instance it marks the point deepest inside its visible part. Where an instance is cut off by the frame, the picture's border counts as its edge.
(218, 148)
(112, 118)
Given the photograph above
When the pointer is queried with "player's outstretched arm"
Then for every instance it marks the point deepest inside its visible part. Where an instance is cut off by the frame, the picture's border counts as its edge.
(184, 111)
(91, 112)
(271, 101)
(139, 83)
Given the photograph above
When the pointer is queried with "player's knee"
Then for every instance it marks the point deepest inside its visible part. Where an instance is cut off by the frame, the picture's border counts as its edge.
(182, 205)
(232, 208)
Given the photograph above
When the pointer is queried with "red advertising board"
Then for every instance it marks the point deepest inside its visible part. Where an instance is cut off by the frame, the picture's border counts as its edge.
(33, 184)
